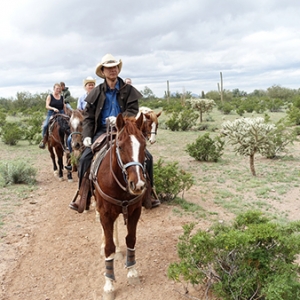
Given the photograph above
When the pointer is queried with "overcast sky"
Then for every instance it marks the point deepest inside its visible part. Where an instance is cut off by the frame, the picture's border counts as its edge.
(254, 43)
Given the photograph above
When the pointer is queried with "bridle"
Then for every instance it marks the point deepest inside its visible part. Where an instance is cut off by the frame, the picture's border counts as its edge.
(151, 132)
(124, 167)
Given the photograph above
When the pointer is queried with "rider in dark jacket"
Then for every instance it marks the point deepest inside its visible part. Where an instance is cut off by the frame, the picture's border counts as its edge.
(106, 100)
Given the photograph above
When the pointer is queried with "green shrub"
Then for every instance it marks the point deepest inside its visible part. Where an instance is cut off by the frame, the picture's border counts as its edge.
(169, 180)
(281, 137)
(225, 108)
(33, 129)
(183, 120)
(11, 133)
(2, 118)
(251, 259)
(206, 149)
(293, 114)
(173, 122)
(17, 172)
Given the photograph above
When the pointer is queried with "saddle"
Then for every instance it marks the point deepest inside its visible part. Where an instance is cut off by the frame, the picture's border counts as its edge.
(104, 139)
(99, 149)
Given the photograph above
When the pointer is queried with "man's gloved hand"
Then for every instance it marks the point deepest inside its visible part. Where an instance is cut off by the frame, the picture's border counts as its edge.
(112, 120)
(87, 142)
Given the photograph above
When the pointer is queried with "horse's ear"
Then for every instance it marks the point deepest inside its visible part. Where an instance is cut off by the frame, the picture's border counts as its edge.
(147, 116)
(140, 121)
(159, 114)
(120, 122)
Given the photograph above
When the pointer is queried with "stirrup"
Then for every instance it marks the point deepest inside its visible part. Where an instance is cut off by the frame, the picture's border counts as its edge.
(75, 196)
(154, 193)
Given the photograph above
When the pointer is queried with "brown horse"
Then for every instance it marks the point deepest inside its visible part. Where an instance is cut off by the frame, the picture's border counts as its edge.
(75, 140)
(57, 134)
(150, 123)
(76, 129)
(120, 187)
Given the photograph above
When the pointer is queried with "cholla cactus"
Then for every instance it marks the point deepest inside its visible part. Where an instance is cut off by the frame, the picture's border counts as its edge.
(249, 136)
(202, 105)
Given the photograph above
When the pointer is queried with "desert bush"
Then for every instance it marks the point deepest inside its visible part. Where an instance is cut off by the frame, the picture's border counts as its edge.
(183, 120)
(249, 136)
(251, 259)
(170, 180)
(293, 114)
(281, 137)
(2, 118)
(17, 172)
(173, 122)
(225, 107)
(33, 129)
(206, 149)
(202, 106)
(11, 133)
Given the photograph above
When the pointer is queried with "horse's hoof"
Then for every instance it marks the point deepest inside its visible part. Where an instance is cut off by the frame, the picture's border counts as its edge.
(108, 290)
(133, 276)
(70, 180)
(61, 179)
(108, 296)
(133, 280)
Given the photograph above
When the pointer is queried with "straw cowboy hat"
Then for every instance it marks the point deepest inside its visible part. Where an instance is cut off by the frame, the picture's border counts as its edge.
(89, 79)
(108, 61)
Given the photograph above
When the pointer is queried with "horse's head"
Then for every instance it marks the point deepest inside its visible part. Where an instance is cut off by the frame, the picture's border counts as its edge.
(150, 125)
(76, 129)
(130, 148)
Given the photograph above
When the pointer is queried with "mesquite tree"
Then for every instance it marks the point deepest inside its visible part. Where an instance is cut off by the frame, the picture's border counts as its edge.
(202, 105)
(250, 136)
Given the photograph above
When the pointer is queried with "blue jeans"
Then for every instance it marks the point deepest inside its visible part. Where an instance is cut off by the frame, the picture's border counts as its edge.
(87, 156)
(50, 113)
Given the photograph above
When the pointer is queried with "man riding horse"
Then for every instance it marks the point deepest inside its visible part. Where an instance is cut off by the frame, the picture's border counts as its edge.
(106, 101)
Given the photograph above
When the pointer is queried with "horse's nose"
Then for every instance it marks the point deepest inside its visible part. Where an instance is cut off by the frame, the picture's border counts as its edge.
(76, 146)
(137, 187)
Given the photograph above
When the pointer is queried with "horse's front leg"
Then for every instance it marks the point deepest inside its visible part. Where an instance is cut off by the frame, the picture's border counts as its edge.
(118, 254)
(69, 174)
(52, 155)
(107, 223)
(60, 166)
(132, 274)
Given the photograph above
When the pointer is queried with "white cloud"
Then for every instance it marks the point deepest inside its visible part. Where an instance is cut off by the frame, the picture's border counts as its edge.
(188, 43)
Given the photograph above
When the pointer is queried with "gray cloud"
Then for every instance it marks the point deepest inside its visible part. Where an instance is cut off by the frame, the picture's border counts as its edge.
(254, 43)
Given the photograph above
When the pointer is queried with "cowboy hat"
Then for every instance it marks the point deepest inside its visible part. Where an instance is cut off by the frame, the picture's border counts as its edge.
(88, 80)
(108, 61)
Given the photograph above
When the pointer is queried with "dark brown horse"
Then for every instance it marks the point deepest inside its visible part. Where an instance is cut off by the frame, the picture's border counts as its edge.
(120, 188)
(57, 134)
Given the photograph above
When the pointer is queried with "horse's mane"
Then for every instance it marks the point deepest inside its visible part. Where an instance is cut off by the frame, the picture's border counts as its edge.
(130, 125)
(77, 113)
(63, 124)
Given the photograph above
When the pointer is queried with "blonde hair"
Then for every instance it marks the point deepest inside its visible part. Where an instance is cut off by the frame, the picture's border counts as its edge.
(56, 84)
